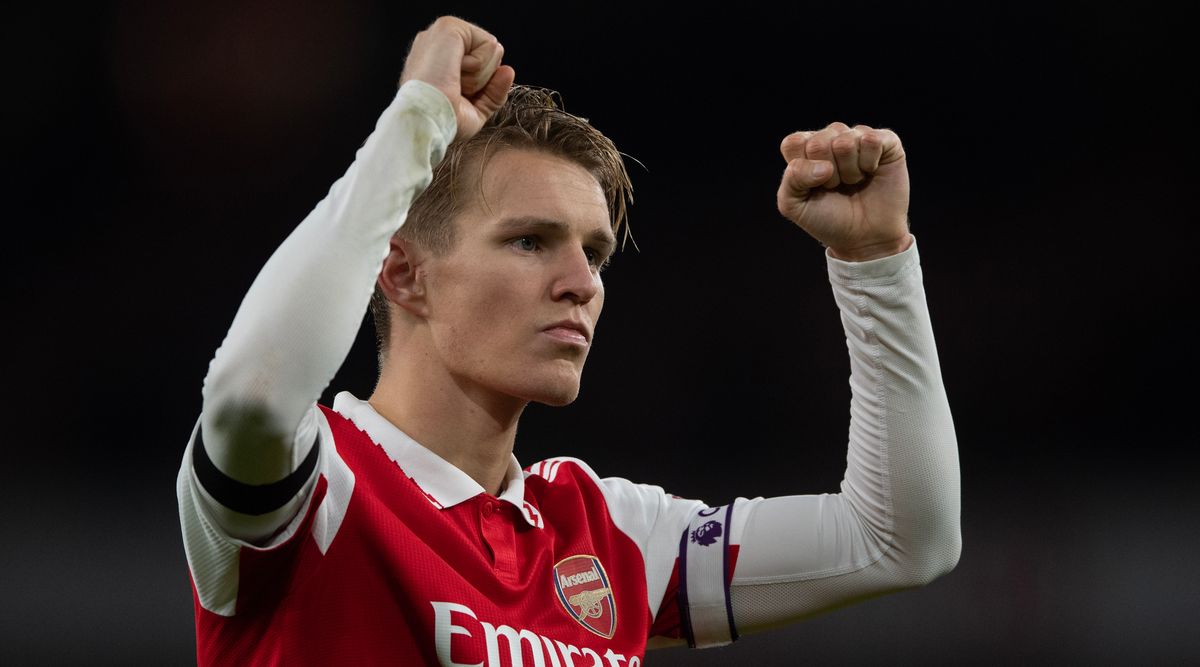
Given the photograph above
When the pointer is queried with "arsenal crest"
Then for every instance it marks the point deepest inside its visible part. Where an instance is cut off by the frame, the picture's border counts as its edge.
(585, 592)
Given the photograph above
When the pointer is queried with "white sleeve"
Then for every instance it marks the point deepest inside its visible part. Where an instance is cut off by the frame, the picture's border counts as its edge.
(895, 524)
(258, 436)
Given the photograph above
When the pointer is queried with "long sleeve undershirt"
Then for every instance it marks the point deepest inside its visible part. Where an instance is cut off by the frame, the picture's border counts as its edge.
(300, 316)
(893, 526)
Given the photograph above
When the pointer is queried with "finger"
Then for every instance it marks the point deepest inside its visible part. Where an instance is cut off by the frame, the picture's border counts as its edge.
(792, 146)
(493, 96)
(477, 61)
(472, 35)
(479, 66)
(820, 147)
(803, 175)
(479, 36)
(870, 148)
(845, 154)
(893, 150)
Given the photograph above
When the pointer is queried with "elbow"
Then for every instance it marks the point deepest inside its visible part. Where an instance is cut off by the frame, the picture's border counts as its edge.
(246, 443)
(936, 555)
(941, 561)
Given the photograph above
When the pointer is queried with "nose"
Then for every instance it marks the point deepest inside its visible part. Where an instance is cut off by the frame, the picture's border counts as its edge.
(576, 278)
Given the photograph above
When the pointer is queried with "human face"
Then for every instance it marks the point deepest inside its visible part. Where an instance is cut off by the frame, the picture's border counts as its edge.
(527, 256)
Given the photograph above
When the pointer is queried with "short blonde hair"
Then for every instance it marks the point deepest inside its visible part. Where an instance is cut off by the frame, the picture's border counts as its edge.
(532, 119)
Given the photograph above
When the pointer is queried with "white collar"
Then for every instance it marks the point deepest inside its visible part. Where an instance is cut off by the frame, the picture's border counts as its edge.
(443, 483)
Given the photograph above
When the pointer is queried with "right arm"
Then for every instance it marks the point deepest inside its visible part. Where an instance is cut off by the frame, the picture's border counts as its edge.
(257, 441)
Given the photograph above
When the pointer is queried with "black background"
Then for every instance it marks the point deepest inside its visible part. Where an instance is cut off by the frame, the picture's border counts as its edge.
(158, 153)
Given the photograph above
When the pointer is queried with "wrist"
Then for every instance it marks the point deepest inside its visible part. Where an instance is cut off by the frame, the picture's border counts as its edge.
(873, 251)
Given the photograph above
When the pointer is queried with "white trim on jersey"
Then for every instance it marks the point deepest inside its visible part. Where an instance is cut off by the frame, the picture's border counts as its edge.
(339, 487)
(442, 483)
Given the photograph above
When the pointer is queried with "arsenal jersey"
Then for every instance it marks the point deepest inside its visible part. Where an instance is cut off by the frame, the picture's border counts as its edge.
(397, 556)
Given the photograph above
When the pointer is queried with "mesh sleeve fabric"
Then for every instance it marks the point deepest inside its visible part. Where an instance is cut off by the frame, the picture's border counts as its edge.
(300, 316)
(895, 523)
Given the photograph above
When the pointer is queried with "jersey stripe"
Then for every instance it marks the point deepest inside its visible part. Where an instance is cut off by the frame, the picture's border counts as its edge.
(685, 616)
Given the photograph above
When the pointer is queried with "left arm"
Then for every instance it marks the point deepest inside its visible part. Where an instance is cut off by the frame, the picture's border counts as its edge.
(895, 524)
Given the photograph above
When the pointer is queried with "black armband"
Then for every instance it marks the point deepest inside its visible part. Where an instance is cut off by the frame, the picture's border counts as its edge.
(252, 499)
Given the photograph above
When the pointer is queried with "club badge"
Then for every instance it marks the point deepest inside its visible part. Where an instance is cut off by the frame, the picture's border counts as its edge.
(585, 592)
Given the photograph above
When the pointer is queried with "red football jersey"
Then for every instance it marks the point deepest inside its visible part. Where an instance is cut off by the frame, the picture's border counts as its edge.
(398, 556)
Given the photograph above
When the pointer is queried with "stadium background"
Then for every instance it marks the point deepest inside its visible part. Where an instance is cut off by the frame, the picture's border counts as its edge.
(159, 152)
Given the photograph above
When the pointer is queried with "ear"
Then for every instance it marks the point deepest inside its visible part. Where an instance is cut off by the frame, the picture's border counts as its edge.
(402, 278)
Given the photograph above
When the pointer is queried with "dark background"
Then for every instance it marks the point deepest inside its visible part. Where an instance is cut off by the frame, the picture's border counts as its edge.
(159, 153)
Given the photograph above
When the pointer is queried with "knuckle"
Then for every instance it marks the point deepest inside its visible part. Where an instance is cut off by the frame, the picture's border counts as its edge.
(793, 140)
(843, 145)
(817, 148)
(448, 23)
(838, 125)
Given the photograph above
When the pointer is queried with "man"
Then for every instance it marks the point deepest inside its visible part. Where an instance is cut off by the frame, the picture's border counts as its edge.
(402, 529)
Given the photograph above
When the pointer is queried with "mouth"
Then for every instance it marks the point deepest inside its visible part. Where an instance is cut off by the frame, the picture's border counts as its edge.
(574, 333)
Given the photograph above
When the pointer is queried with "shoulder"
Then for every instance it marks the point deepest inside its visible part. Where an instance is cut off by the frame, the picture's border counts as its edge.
(549, 470)
(636, 505)
(563, 471)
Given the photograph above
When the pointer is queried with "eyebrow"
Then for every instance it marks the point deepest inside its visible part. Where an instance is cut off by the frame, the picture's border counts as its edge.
(531, 222)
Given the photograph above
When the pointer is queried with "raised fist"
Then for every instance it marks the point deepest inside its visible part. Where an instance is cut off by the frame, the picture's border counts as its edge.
(463, 61)
(848, 188)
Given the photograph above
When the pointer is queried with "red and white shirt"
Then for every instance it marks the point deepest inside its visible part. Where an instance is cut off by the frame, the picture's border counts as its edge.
(402, 557)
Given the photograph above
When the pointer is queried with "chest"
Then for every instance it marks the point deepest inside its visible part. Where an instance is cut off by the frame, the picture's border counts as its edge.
(480, 584)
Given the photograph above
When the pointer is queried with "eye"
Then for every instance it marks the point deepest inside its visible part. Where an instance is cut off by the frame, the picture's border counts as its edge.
(594, 258)
(527, 243)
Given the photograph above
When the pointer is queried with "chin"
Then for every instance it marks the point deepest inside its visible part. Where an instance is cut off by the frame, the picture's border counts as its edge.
(558, 400)
(555, 391)
(555, 384)
(555, 394)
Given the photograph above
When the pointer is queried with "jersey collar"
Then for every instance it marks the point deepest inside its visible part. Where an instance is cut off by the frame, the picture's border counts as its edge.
(443, 483)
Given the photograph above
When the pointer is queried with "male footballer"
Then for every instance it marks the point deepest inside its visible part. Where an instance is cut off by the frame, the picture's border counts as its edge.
(475, 222)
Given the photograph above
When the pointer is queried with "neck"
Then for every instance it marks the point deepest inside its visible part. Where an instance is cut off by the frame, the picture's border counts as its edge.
(472, 427)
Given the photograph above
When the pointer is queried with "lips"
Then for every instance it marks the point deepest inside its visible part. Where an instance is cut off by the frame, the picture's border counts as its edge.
(569, 330)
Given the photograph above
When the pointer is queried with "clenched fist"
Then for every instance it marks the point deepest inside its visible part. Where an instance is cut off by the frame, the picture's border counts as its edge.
(848, 188)
(463, 61)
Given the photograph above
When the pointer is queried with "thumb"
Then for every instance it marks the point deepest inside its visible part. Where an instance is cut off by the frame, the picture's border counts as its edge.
(494, 94)
(803, 175)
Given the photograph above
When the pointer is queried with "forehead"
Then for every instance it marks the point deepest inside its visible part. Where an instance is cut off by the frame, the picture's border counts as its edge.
(532, 184)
